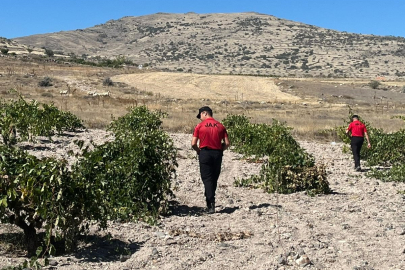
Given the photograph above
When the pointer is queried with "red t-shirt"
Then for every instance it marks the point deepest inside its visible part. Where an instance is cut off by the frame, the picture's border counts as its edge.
(357, 128)
(210, 132)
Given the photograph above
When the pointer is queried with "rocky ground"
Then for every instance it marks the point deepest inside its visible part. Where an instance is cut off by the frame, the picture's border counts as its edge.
(361, 225)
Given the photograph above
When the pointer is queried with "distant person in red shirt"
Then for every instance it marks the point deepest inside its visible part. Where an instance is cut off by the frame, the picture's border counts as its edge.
(210, 139)
(357, 132)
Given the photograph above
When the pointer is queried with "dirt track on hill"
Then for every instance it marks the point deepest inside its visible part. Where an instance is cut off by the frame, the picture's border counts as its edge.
(360, 226)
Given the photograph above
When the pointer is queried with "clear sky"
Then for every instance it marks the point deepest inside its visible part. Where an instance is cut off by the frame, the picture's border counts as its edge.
(28, 17)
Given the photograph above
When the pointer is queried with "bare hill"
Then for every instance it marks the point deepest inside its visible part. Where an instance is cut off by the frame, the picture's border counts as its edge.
(238, 43)
(12, 47)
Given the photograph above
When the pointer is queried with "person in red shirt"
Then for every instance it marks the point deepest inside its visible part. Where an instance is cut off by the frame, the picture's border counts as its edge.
(358, 130)
(210, 139)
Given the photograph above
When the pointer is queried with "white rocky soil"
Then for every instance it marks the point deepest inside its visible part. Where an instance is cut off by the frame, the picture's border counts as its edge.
(360, 226)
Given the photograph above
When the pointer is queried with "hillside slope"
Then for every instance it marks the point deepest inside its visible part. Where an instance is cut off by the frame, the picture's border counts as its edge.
(238, 43)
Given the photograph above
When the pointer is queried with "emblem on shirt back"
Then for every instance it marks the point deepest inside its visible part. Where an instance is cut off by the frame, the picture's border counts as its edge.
(211, 125)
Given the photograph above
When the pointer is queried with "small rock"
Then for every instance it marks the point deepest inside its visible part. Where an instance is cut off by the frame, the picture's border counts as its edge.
(155, 252)
(401, 231)
(230, 201)
(223, 245)
(160, 234)
(171, 242)
(53, 263)
(303, 261)
(282, 260)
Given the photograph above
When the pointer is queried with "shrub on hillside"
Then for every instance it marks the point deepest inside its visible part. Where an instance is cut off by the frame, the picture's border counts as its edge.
(45, 82)
(374, 84)
(49, 52)
(108, 82)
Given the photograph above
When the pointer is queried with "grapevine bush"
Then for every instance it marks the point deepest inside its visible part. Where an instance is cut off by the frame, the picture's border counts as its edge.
(127, 178)
(136, 168)
(44, 194)
(30, 119)
(287, 167)
(387, 154)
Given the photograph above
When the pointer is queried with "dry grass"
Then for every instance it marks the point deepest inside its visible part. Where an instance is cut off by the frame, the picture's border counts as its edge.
(212, 87)
(267, 99)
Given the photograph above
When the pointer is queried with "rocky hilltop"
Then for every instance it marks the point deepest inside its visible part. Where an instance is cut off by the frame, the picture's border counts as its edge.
(237, 43)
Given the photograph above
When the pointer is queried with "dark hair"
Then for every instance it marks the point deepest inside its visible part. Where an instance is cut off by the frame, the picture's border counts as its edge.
(204, 109)
(355, 116)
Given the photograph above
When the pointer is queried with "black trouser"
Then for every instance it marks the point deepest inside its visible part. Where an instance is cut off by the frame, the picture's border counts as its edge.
(356, 143)
(210, 168)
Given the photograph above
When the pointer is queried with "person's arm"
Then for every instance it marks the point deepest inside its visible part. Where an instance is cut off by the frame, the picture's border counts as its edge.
(347, 133)
(368, 139)
(194, 145)
(226, 144)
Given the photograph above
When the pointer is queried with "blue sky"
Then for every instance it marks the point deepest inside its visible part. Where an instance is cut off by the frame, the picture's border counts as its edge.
(28, 17)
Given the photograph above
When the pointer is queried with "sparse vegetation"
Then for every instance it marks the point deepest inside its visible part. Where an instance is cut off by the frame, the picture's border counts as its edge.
(49, 52)
(108, 82)
(374, 84)
(45, 82)
(103, 62)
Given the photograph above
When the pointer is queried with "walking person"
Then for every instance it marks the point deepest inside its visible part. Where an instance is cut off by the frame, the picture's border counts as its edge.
(210, 139)
(358, 131)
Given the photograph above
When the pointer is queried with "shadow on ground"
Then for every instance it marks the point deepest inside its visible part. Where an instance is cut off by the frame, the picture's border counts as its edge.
(13, 243)
(182, 210)
(91, 248)
(264, 205)
(103, 249)
(228, 210)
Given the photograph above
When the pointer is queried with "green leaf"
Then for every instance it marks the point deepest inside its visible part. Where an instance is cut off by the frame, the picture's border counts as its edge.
(59, 195)
(39, 250)
(4, 201)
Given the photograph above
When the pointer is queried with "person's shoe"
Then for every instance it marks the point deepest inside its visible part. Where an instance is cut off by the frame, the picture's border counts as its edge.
(211, 208)
(358, 169)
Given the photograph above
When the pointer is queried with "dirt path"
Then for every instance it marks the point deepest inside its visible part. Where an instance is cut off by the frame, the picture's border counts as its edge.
(360, 226)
